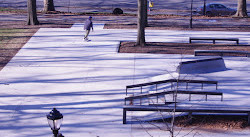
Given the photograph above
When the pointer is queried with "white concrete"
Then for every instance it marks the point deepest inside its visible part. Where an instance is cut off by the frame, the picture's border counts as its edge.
(86, 81)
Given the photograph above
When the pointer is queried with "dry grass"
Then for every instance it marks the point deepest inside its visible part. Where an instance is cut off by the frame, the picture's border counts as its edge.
(12, 40)
(15, 34)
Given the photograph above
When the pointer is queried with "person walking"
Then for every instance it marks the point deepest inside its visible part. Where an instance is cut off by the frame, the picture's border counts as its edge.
(87, 26)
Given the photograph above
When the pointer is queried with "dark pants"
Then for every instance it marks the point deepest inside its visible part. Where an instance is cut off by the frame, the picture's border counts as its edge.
(87, 34)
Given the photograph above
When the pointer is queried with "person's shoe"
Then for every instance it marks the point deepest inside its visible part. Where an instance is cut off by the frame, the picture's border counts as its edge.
(86, 39)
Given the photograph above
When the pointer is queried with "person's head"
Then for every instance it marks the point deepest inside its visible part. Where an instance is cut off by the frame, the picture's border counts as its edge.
(90, 17)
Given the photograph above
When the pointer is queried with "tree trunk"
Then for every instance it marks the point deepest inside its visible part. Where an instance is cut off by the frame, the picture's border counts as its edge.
(141, 24)
(241, 9)
(48, 6)
(32, 15)
(145, 12)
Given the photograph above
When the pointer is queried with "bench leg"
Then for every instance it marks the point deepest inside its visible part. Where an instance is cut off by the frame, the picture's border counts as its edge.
(124, 116)
(214, 41)
(190, 41)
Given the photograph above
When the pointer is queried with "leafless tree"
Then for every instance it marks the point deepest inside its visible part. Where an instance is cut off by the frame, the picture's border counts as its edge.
(32, 14)
(141, 24)
(170, 125)
(145, 10)
(241, 9)
(48, 6)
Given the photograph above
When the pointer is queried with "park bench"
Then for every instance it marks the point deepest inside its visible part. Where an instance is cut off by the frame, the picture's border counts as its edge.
(221, 52)
(190, 110)
(213, 39)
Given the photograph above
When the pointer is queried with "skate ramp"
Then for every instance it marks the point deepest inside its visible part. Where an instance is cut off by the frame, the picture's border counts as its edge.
(202, 66)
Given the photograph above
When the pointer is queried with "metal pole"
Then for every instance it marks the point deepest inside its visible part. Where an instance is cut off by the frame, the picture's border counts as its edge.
(55, 132)
(204, 8)
(68, 5)
(191, 15)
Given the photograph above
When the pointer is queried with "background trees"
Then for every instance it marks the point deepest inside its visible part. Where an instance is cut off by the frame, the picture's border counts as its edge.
(32, 15)
(48, 5)
(241, 9)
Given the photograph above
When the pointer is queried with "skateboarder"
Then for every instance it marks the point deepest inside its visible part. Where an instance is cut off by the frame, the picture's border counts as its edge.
(87, 26)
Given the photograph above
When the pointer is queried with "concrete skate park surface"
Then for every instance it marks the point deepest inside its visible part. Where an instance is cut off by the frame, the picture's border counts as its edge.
(172, 6)
(86, 82)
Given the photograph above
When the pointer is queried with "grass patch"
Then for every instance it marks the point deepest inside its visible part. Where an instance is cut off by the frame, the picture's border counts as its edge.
(7, 34)
(11, 10)
(11, 41)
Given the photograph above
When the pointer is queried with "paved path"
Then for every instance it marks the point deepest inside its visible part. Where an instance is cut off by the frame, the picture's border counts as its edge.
(86, 81)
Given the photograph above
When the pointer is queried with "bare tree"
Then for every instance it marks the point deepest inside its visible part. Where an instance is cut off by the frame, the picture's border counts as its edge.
(32, 15)
(169, 126)
(141, 23)
(241, 9)
(48, 6)
(145, 10)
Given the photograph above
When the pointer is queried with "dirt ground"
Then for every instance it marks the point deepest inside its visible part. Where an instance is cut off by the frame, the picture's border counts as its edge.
(177, 48)
(218, 122)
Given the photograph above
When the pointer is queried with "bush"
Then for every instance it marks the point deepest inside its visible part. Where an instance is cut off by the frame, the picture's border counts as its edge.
(117, 11)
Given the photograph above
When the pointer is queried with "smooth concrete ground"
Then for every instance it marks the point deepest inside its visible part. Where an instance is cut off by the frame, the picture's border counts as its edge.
(86, 82)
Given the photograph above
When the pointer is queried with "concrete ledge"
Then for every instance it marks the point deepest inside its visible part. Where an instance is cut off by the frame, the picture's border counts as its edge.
(221, 52)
